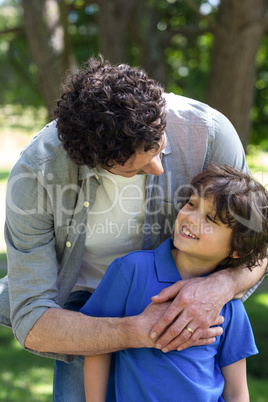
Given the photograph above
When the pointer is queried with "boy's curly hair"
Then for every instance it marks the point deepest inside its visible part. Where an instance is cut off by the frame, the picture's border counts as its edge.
(241, 202)
(106, 113)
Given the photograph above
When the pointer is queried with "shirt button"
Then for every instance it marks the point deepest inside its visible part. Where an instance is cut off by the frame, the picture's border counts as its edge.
(97, 177)
(86, 204)
(68, 244)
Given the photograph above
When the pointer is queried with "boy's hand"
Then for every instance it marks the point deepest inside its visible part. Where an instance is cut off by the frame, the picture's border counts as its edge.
(197, 304)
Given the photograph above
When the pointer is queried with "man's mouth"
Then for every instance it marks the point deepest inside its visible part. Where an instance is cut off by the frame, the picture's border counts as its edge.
(187, 232)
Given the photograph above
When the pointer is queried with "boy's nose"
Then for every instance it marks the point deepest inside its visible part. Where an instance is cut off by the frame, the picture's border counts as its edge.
(193, 219)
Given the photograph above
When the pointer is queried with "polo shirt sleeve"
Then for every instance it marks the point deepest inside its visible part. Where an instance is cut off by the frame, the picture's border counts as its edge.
(109, 299)
(237, 341)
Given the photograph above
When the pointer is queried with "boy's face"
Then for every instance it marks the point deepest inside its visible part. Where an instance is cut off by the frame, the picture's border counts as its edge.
(200, 235)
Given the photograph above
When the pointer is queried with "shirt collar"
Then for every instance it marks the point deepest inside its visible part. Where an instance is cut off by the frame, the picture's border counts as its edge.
(166, 269)
(167, 150)
(85, 173)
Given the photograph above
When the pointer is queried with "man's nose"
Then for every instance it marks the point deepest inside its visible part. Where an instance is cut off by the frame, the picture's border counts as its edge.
(154, 167)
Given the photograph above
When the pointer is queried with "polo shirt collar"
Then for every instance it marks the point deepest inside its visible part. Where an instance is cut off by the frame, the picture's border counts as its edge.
(166, 269)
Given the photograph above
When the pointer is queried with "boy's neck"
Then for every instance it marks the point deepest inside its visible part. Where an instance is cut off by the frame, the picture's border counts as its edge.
(190, 267)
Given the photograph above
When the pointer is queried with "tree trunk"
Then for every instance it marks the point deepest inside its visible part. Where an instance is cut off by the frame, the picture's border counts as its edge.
(46, 37)
(114, 18)
(152, 42)
(232, 78)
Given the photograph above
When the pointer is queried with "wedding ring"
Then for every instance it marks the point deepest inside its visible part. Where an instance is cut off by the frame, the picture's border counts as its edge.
(190, 330)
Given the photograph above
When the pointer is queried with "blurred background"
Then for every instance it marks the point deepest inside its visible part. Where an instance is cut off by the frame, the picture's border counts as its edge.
(215, 51)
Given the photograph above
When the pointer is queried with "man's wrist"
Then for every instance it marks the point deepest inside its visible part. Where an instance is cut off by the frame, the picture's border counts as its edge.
(228, 281)
(135, 333)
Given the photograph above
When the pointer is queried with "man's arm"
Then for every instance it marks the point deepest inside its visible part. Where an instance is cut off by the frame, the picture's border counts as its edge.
(69, 332)
(197, 304)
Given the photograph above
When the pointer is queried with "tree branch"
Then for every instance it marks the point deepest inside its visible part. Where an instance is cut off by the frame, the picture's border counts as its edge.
(15, 30)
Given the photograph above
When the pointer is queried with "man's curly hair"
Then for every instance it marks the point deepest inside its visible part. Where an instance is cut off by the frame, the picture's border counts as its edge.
(106, 113)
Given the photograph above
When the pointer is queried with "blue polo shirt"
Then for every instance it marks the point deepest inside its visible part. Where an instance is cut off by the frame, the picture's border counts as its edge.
(148, 374)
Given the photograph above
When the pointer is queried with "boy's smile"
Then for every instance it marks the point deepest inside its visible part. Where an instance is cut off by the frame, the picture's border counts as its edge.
(186, 232)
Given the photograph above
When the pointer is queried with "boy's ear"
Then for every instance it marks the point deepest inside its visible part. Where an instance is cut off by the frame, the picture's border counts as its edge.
(234, 255)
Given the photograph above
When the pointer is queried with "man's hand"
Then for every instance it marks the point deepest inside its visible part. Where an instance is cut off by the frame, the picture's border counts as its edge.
(197, 304)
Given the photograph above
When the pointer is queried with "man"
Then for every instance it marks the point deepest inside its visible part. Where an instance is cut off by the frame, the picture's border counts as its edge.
(112, 169)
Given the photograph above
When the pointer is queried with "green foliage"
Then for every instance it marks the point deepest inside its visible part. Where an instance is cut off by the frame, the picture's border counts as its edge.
(83, 29)
(19, 83)
(185, 36)
(259, 115)
(257, 309)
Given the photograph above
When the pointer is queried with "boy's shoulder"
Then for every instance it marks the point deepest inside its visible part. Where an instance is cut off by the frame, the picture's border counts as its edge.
(135, 260)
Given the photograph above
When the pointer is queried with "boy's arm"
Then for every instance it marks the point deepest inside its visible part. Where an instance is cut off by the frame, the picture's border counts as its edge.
(197, 303)
(235, 388)
(96, 377)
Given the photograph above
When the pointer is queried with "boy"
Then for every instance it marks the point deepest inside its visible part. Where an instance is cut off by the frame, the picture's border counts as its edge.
(223, 224)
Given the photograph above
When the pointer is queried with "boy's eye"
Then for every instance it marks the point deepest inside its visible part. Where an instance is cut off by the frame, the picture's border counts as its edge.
(209, 218)
(191, 204)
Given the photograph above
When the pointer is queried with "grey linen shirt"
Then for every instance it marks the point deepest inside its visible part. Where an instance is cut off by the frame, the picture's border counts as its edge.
(48, 199)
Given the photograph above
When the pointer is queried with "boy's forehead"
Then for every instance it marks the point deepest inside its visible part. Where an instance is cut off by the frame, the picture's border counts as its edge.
(207, 202)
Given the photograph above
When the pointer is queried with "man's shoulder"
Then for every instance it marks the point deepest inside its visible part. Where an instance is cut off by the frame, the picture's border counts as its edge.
(44, 146)
(188, 110)
(45, 153)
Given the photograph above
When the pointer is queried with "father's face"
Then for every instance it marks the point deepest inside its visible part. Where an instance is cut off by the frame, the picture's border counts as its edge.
(142, 162)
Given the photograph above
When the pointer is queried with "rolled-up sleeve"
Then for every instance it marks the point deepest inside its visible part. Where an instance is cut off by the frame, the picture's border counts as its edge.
(32, 262)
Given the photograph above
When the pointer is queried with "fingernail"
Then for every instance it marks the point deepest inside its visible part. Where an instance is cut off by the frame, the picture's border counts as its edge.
(165, 350)
(179, 349)
(158, 346)
(153, 335)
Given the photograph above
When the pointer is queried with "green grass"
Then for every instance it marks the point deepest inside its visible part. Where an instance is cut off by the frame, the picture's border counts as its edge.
(22, 120)
(23, 376)
(4, 175)
(3, 257)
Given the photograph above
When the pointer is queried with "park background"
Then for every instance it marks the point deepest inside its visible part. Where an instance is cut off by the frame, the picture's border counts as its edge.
(215, 51)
